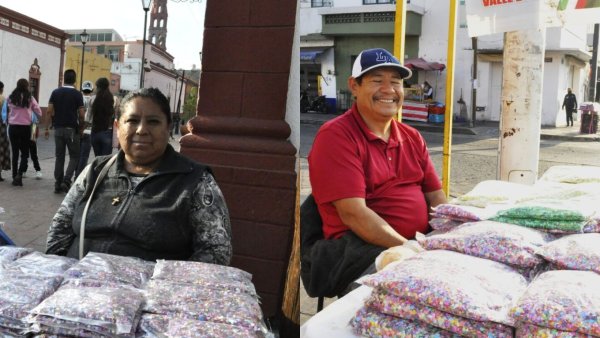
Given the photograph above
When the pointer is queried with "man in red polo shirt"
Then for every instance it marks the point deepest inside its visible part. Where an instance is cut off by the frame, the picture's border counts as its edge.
(372, 180)
(371, 175)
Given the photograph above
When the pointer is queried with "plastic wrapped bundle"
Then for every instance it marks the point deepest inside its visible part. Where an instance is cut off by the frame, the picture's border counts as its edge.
(20, 293)
(370, 323)
(501, 242)
(85, 312)
(180, 300)
(42, 264)
(209, 275)
(442, 223)
(564, 300)
(462, 213)
(10, 253)
(528, 330)
(562, 216)
(571, 174)
(463, 285)
(100, 269)
(493, 192)
(574, 252)
(152, 326)
(399, 307)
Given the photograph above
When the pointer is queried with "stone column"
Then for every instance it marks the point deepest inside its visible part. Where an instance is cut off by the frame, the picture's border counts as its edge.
(241, 132)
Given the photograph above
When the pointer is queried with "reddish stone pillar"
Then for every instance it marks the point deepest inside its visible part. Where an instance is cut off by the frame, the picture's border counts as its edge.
(240, 131)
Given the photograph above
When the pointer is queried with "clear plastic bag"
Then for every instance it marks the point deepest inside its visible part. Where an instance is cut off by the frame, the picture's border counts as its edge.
(564, 300)
(152, 326)
(528, 331)
(369, 323)
(500, 242)
(105, 269)
(42, 264)
(10, 253)
(574, 252)
(20, 293)
(463, 285)
(191, 301)
(209, 275)
(399, 307)
(464, 213)
(493, 192)
(573, 174)
(113, 311)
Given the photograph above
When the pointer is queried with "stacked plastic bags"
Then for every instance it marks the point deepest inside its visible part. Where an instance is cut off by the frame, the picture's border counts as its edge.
(108, 296)
(443, 290)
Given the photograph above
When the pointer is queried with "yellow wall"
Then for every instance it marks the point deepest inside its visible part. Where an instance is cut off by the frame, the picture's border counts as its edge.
(95, 66)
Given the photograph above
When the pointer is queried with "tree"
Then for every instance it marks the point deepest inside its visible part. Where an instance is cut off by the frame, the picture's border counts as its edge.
(189, 105)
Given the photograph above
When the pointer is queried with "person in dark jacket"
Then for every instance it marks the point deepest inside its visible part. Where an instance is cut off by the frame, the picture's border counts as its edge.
(570, 106)
(153, 203)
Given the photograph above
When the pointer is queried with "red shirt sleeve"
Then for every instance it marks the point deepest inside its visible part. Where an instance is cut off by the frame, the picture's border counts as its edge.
(335, 167)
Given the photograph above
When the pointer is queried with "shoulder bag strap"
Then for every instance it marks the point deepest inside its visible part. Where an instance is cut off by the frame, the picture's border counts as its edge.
(99, 179)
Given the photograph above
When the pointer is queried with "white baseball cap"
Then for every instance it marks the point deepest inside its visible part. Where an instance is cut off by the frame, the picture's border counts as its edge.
(87, 85)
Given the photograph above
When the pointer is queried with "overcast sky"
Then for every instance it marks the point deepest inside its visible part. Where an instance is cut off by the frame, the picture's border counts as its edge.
(184, 26)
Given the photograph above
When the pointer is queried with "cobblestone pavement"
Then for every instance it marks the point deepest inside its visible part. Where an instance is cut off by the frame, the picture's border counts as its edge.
(28, 210)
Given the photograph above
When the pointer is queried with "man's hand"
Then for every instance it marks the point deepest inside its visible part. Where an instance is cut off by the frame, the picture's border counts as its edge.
(366, 224)
(435, 198)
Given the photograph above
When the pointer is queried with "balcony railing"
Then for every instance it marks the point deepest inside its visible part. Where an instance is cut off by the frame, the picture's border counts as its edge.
(379, 2)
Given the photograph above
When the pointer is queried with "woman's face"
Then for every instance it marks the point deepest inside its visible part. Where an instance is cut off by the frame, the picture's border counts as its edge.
(143, 132)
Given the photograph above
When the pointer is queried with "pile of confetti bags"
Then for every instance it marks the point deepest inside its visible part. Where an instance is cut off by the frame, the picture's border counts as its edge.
(114, 296)
(500, 264)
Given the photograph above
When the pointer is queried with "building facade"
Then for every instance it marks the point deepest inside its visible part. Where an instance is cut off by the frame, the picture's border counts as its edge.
(333, 32)
(32, 50)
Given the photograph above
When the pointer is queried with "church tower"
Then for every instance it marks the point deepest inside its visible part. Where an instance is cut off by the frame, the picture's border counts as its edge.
(158, 24)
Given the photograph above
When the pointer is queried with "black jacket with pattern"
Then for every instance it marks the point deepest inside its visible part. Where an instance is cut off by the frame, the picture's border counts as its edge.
(176, 212)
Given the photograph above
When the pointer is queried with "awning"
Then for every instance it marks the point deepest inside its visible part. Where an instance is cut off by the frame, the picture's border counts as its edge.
(422, 64)
(310, 55)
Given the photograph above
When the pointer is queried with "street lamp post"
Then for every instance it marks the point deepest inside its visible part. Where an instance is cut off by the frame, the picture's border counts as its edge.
(146, 6)
(84, 38)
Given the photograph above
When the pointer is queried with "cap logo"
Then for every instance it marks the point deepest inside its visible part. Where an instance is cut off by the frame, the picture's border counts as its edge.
(381, 57)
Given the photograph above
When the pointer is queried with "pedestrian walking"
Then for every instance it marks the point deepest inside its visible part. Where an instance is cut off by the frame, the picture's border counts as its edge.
(66, 107)
(33, 153)
(4, 144)
(85, 144)
(21, 106)
(103, 114)
(570, 105)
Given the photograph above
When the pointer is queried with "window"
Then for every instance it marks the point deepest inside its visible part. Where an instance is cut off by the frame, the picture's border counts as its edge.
(94, 37)
(377, 2)
(320, 3)
(113, 55)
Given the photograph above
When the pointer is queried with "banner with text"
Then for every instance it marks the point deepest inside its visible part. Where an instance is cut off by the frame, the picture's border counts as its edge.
(498, 16)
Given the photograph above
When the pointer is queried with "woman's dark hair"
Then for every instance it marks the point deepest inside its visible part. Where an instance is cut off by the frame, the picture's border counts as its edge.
(103, 106)
(21, 95)
(153, 94)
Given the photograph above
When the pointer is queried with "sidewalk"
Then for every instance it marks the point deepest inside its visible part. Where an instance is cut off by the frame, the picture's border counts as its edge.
(482, 128)
(28, 210)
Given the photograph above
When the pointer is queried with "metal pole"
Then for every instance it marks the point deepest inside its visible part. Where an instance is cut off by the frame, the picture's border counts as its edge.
(180, 90)
(143, 49)
(594, 65)
(520, 122)
(474, 94)
(82, 59)
(399, 37)
(451, 54)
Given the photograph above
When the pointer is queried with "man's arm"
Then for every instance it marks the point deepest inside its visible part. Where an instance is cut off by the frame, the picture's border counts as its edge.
(435, 198)
(50, 113)
(366, 224)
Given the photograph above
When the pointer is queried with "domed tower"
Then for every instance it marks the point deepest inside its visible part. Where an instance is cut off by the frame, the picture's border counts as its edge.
(158, 23)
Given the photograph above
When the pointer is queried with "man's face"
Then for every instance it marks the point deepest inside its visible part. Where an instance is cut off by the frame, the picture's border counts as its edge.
(380, 94)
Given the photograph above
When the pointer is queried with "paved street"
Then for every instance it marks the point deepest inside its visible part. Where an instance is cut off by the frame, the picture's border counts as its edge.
(28, 210)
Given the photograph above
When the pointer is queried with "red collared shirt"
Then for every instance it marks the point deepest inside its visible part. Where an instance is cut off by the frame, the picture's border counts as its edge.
(347, 160)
